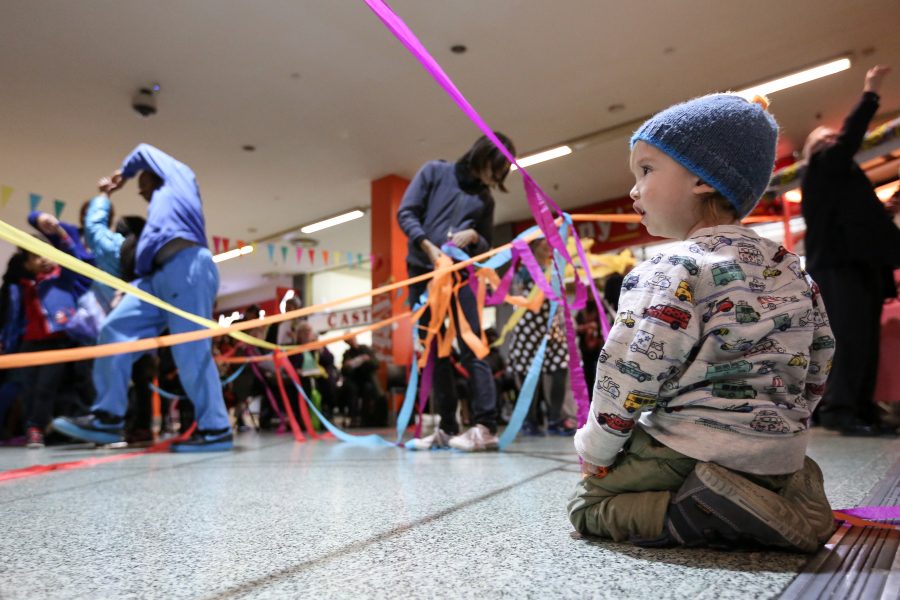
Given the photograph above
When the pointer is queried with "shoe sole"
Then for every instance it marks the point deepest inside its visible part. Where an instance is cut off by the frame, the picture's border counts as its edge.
(763, 504)
(811, 495)
(86, 435)
(214, 447)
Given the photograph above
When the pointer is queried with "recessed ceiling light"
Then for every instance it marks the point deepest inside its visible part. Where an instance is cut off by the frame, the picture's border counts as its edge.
(458, 49)
(295, 75)
(615, 107)
(248, 147)
(252, 230)
(669, 50)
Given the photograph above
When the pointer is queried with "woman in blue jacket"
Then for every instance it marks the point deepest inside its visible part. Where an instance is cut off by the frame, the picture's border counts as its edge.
(452, 202)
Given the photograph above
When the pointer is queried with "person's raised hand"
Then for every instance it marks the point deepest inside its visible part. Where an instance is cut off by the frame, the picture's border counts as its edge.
(48, 224)
(874, 77)
(112, 183)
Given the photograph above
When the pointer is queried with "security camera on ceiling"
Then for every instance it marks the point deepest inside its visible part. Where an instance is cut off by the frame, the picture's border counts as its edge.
(144, 101)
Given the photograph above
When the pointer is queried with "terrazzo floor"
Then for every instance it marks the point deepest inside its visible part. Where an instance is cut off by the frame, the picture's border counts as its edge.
(276, 519)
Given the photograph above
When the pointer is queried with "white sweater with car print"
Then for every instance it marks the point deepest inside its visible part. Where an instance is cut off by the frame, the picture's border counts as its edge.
(721, 349)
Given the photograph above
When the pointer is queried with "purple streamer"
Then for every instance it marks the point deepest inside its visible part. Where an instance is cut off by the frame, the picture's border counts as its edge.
(540, 203)
(874, 513)
(425, 385)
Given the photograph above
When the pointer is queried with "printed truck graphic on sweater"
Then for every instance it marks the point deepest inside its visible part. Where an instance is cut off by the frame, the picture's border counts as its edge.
(750, 254)
(659, 280)
(673, 316)
(812, 316)
(631, 282)
(782, 321)
(643, 343)
(767, 345)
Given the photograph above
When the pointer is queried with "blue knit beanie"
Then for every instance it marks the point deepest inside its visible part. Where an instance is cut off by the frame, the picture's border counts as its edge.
(723, 139)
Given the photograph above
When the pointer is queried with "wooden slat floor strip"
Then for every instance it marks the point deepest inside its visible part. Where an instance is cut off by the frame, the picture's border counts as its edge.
(857, 563)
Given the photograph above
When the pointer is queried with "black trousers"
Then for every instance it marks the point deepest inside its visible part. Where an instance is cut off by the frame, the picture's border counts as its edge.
(482, 391)
(854, 297)
(66, 386)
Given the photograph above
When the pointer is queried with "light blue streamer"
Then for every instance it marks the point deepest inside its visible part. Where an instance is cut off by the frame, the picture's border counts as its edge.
(529, 386)
(224, 382)
(371, 441)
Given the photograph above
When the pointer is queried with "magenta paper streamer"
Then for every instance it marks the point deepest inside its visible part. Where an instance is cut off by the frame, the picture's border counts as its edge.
(874, 513)
(540, 203)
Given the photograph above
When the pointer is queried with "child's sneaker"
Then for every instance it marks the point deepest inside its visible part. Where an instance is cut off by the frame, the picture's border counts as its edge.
(206, 441)
(477, 439)
(34, 438)
(96, 428)
(719, 508)
(436, 441)
(805, 490)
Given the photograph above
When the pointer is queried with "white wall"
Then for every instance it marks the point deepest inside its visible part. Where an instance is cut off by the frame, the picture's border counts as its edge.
(340, 283)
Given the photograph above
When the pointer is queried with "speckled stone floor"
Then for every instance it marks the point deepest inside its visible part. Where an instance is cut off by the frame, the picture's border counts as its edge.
(275, 519)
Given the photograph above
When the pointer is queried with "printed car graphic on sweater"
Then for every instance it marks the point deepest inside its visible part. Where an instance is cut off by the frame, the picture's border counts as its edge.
(636, 400)
(643, 343)
(632, 369)
(727, 271)
(687, 262)
(769, 421)
(615, 424)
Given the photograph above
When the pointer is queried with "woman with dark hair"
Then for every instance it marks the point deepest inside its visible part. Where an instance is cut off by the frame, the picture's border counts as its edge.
(452, 202)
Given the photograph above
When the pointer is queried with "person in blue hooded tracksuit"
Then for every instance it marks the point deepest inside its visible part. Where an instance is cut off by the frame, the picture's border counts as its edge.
(173, 263)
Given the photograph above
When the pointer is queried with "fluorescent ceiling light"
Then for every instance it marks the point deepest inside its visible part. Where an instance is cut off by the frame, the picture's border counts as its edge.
(331, 222)
(232, 254)
(527, 161)
(886, 191)
(807, 75)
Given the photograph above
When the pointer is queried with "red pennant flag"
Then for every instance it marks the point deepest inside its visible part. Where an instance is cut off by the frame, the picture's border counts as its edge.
(225, 244)
(325, 256)
(299, 255)
(240, 244)
(217, 243)
(312, 256)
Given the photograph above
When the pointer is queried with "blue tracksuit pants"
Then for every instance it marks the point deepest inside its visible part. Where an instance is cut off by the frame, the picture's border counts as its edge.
(190, 281)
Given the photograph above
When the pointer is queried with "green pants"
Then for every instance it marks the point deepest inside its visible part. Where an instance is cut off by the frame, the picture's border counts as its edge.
(631, 502)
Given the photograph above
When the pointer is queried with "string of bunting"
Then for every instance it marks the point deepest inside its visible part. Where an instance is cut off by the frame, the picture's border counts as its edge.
(309, 257)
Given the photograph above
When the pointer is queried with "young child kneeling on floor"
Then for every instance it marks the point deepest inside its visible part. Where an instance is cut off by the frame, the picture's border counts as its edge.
(700, 416)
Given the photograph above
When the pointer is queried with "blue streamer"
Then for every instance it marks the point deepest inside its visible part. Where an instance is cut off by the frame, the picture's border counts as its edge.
(224, 382)
(529, 386)
(372, 440)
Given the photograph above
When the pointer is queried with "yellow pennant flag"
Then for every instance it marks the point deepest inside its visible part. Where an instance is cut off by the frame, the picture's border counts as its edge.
(5, 194)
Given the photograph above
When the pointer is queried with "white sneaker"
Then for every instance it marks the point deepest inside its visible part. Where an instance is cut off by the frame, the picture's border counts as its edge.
(437, 440)
(477, 439)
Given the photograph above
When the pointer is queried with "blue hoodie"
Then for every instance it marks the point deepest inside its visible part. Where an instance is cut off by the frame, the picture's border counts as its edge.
(105, 245)
(175, 210)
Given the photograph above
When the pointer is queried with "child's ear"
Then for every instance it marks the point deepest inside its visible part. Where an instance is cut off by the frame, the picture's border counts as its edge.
(702, 188)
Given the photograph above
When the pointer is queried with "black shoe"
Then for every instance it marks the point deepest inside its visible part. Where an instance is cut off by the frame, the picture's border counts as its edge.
(716, 507)
(206, 441)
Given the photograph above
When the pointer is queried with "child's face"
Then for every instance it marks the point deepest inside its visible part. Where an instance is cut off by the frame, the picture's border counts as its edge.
(37, 265)
(665, 194)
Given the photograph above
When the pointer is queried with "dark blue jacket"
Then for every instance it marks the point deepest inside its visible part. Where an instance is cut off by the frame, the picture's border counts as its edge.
(58, 295)
(175, 210)
(444, 198)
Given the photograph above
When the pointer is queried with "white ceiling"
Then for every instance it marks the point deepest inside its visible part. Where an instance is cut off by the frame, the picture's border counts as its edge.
(332, 101)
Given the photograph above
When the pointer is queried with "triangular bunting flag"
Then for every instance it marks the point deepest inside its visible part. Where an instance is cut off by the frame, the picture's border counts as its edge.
(58, 207)
(299, 255)
(240, 244)
(325, 257)
(372, 260)
(217, 244)
(359, 259)
(284, 252)
(5, 194)
(312, 257)
(33, 201)
(271, 249)
(225, 243)
(337, 258)
(349, 258)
